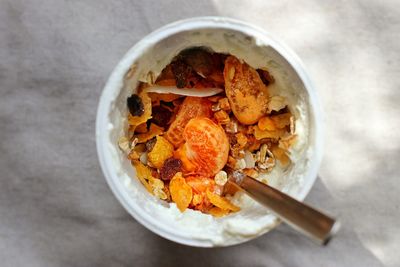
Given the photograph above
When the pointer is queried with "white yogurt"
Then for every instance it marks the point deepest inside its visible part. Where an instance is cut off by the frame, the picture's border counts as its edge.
(152, 54)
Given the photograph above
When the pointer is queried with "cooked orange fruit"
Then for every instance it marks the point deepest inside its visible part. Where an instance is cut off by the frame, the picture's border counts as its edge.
(191, 107)
(206, 149)
(247, 94)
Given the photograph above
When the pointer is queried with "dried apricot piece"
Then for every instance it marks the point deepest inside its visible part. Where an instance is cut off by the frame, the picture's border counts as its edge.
(191, 107)
(221, 202)
(181, 192)
(161, 151)
(153, 131)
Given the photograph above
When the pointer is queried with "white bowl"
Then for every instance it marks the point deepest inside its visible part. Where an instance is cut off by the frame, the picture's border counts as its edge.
(152, 53)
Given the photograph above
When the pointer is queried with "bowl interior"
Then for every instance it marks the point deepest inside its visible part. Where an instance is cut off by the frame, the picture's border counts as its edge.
(145, 61)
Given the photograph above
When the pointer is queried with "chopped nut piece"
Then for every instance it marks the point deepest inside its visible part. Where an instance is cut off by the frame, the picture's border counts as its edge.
(231, 162)
(231, 127)
(123, 144)
(251, 172)
(224, 104)
(222, 117)
(216, 107)
(276, 103)
(134, 143)
(241, 139)
(221, 178)
(249, 159)
(240, 164)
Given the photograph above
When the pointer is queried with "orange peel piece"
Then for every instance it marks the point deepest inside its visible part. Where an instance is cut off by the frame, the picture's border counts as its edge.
(181, 192)
(221, 202)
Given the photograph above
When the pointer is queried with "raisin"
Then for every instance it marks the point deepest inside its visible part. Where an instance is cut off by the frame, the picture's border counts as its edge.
(199, 59)
(161, 116)
(181, 72)
(170, 168)
(135, 105)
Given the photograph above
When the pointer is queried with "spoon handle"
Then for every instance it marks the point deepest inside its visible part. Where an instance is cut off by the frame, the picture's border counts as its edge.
(300, 216)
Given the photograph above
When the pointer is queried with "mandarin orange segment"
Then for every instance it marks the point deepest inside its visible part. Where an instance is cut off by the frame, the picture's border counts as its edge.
(221, 202)
(191, 107)
(206, 149)
(181, 192)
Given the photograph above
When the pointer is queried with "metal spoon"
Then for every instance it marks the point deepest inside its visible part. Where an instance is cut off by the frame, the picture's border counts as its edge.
(300, 216)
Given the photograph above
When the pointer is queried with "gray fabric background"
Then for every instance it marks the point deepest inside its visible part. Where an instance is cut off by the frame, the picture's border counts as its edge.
(55, 206)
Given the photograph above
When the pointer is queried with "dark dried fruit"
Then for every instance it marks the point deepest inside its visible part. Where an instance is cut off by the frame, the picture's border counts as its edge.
(170, 168)
(199, 59)
(161, 116)
(135, 105)
(181, 72)
(265, 76)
